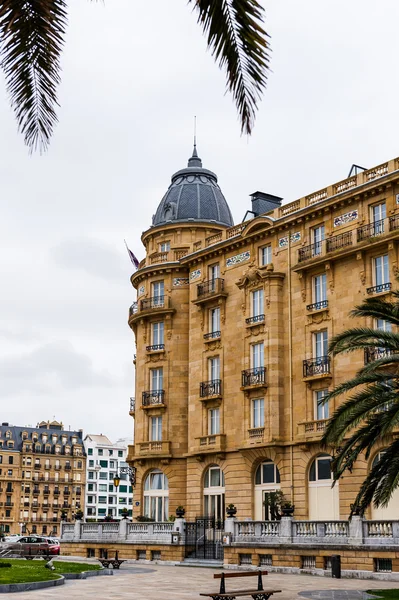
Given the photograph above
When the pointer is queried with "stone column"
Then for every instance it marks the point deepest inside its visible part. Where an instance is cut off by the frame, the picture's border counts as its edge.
(122, 533)
(179, 526)
(229, 525)
(355, 530)
(76, 531)
(286, 530)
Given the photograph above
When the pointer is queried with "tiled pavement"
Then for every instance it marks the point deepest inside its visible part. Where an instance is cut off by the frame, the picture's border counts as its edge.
(161, 582)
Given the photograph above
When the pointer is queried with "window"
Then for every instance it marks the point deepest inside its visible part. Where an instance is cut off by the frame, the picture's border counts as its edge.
(383, 325)
(156, 376)
(214, 493)
(158, 333)
(258, 413)
(100, 452)
(102, 487)
(156, 496)
(10, 460)
(257, 305)
(214, 421)
(164, 247)
(214, 320)
(90, 487)
(123, 489)
(122, 500)
(265, 255)
(381, 270)
(378, 214)
(320, 469)
(9, 474)
(103, 475)
(214, 368)
(120, 453)
(111, 452)
(267, 473)
(320, 290)
(158, 293)
(112, 464)
(320, 344)
(102, 499)
(91, 463)
(90, 451)
(257, 356)
(213, 271)
(156, 429)
(321, 411)
(91, 475)
(317, 239)
(104, 464)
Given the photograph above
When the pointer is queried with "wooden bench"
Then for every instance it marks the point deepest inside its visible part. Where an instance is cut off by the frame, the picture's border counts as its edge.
(258, 594)
(115, 562)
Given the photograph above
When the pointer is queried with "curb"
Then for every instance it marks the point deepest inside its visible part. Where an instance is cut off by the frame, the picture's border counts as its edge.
(31, 585)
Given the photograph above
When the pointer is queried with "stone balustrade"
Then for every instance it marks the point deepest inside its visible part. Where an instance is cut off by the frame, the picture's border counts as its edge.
(357, 531)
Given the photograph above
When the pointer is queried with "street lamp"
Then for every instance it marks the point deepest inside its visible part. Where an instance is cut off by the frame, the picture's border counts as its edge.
(131, 471)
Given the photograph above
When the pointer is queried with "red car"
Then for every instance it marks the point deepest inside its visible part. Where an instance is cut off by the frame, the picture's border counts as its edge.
(54, 546)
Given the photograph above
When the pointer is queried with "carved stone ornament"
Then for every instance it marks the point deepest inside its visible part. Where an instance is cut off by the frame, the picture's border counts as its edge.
(253, 275)
(303, 293)
(363, 277)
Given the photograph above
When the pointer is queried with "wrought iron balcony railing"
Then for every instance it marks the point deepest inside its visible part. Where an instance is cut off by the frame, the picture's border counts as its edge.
(255, 376)
(377, 289)
(211, 388)
(255, 319)
(133, 309)
(153, 397)
(212, 335)
(370, 230)
(309, 251)
(336, 242)
(132, 404)
(372, 354)
(155, 347)
(316, 366)
(393, 222)
(154, 302)
(210, 288)
(317, 305)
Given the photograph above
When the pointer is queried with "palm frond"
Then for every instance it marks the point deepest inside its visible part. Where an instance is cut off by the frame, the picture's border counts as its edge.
(382, 480)
(239, 44)
(31, 40)
(363, 337)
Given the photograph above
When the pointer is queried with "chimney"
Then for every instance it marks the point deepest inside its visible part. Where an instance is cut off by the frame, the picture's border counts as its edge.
(263, 203)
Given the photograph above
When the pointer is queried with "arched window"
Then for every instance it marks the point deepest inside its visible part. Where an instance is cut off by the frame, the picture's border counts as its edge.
(391, 511)
(156, 496)
(214, 493)
(267, 481)
(323, 499)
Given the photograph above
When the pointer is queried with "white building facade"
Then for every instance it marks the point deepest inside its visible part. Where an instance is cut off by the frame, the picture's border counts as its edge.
(104, 461)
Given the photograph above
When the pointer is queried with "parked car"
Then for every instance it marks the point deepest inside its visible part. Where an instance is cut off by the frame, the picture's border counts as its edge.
(29, 546)
(11, 538)
(54, 546)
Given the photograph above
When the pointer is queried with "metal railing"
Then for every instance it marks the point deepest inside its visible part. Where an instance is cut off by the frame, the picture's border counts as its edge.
(316, 366)
(372, 354)
(336, 242)
(212, 335)
(132, 403)
(310, 251)
(210, 388)
(255, 319)
(317, 305)
(393, 222)
(371, 230)
(153, 397)
(210, 287)
(155, 347)
(377, 289)
(154, 302)
(255, 376)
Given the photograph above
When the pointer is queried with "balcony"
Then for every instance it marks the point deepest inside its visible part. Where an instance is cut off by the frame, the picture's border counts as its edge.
(159, 305)
(310, 251)
(153, 398)
(211, 289)
(371, 230)
(57, 492)
(47, 467)
(57, 467)
(313, 429)
(211, 389)
(132, 405)
(67, 467)
(253, 377)
(256, 434)
(317, 305)
(372, 354)
(153, 448)
(314, 367)
(210, 443)
(67, 493)
(154, 302)
(379, 289)
(393, 222)
(336, 242)
(254, 320)
(212, 335)
(155, 348)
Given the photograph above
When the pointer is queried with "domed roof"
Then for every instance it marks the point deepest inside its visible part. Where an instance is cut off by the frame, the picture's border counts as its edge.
(193, 195)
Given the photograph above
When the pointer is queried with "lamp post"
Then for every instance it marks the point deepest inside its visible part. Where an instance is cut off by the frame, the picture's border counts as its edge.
(130, 471)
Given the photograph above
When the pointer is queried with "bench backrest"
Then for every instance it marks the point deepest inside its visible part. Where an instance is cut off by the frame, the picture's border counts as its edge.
(222, 577)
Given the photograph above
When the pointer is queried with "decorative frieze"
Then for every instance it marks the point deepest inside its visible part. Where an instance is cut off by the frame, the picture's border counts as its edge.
(238, 258)
(141, 290)
(295, 238)
(195, 274)
(346, 218)
(180, 281)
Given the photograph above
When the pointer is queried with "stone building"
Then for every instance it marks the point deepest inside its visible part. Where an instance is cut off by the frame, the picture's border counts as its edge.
(42, 477)
(232, 324)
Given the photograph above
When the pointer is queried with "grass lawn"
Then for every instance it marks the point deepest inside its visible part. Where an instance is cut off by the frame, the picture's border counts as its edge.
(33, 570)
(388, 594)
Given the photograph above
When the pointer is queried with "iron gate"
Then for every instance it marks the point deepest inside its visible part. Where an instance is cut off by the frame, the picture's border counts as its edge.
(204, 538)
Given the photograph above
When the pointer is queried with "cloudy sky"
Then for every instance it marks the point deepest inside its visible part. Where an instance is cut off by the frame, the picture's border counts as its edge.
(134, 74)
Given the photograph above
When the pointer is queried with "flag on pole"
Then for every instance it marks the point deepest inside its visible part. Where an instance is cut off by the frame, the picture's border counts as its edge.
(132, 256)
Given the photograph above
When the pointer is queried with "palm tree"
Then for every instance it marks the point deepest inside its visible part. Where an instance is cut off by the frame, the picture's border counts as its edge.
(370, 415)
(32, 36)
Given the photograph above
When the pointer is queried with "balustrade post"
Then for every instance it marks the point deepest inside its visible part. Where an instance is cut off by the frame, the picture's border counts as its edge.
(229, 525)
(258, 530)
(286, 526)
(122, 532)
(77, 530)
(179, 526)
(320, 530)
(355, 530)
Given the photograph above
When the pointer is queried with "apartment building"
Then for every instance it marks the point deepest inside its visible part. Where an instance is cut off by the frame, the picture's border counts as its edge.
(104, 461)
(42, 477)
(232, 325)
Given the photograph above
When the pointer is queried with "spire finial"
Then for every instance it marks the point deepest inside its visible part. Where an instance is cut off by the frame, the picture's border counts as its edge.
(195, 131)
(194, 161)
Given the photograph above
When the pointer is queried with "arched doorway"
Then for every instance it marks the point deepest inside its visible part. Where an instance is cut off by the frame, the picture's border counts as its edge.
(391, 511)
(267, 480)
(323, 499)
(214, 493)
(156, 496)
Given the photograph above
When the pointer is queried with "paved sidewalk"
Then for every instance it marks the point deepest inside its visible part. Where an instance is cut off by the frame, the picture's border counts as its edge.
(159, 582)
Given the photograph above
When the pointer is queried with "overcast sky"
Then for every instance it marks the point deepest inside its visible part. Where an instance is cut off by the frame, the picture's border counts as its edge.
(134, 74)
